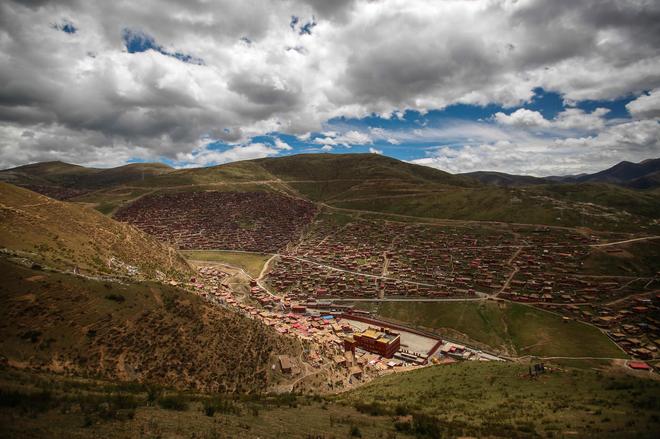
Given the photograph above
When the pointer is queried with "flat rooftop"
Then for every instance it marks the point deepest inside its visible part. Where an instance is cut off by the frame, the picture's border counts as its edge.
(375, 334)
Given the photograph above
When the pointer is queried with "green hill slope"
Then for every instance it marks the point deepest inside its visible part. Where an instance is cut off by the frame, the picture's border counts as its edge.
(317, 167)
(510, 328)
(63, 180)
(470, 399)
(370, 182)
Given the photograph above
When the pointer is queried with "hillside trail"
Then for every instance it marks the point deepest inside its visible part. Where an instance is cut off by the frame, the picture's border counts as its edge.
(627, 241)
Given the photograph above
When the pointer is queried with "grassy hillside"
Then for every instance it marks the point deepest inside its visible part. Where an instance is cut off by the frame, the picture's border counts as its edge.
(66, 235)
(144, 332)
(645, 204)
(318, 167)
(236, 172)
(640, 258)
(498, 400)
(46, 173)
(461, 400)
(531, 205)
(64, 175)
(502, 179)
(369, 182)
(623, 172)
(508, 327)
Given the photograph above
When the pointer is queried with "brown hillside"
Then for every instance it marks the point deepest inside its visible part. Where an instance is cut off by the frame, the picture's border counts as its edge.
(66, 235)
(143, 332)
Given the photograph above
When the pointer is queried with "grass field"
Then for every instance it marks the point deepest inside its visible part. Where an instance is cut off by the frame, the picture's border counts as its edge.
(48, 406)
(465, 399)
(512, 328)
(510, 205)
(633, 259)
(252, 263)
(494, 399)
(67, 235)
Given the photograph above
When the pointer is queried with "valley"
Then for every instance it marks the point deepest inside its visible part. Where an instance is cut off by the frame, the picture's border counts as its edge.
(256, 286)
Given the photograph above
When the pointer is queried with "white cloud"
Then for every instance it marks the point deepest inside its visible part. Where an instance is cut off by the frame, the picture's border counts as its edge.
(543, 156)
(646, 106)
(522, 118)
(259, 76)
(281, 144)
(569, 119)
(373, 150)
(380, 133)
(577, 119)
(346, 139)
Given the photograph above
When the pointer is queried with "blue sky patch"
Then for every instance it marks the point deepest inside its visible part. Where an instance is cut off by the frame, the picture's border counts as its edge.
(66, 27)
(138, 41)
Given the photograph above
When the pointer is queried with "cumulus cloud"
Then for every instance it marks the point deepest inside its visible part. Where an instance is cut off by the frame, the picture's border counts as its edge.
(646, 106)
(569, 119)
(542, 156)
(281, 144)
(347, 139)
(373, 150)
(522, 117)
(218, 71)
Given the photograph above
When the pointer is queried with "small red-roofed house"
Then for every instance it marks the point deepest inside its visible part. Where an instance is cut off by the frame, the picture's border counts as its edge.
(638, 365)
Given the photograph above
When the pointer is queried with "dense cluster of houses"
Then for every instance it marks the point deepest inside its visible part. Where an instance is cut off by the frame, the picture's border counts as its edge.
(521, 263)
(563, 288)
(253, 221)
(633, 323)
(324, 331)
(56, 192)
(301, 280)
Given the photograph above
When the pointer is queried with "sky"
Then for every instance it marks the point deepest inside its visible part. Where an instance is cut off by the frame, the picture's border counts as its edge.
(531, 87)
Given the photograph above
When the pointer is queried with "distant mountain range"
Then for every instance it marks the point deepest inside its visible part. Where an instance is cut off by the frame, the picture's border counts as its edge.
(643, 175)
(624, 197)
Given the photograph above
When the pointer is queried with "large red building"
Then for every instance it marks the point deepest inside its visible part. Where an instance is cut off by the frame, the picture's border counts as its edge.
(382, 342)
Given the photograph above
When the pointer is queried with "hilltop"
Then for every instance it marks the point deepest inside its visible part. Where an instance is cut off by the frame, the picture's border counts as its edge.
(503, 179)
(64, 180)
(372, 183)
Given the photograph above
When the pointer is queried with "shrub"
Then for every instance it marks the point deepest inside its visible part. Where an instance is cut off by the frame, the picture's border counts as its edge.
(220, 405)
(115, 297)
(173, 402)
(372, 409)
(29, 402)
(32, 335)
(426, 425)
